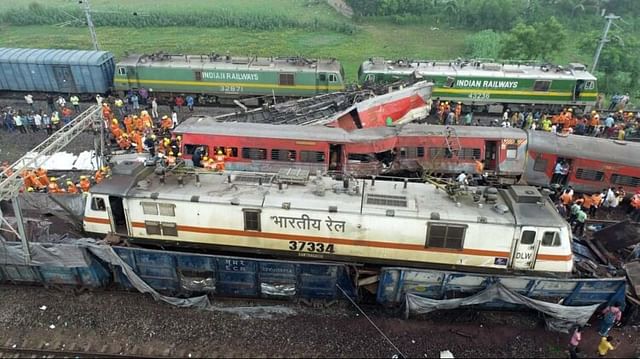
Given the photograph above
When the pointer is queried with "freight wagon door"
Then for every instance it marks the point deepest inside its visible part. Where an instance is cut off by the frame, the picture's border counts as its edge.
(64, 78)
(526, 250)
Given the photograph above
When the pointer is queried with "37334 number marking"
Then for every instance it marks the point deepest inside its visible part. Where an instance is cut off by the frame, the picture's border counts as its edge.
(310, 247)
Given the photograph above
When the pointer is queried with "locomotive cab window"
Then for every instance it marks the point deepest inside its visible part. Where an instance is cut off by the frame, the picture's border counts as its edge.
(251, 219)
(122, 71)
(551, 239)
(528, 237)
(149, 208)
(286, 80)
(541, 85)
(589, 85)
(167, 209)
(512, 152)
(323, 77)
(198, 75)
(97, 204)
(448, 236)
(333, 78)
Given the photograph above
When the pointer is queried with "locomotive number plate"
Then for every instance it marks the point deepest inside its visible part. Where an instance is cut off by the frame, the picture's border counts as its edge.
(232, 88)
(310, 247)
(479, 96)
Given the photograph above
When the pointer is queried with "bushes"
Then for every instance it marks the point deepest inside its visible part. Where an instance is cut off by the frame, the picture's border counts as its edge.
(37, 14)
(485, 44)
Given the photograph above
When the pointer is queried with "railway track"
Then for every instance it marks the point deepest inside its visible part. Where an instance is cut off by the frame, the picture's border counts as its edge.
(26, 349)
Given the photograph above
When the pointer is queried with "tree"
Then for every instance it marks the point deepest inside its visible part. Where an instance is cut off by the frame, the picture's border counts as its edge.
(539, 41)
(483, 45)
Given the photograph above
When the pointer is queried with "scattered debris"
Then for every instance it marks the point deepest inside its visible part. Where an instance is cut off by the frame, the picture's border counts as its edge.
(446, 354)
(52, 326)
(44, 307)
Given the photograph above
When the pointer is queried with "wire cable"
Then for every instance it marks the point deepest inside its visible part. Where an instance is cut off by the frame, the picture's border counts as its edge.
(370, 321)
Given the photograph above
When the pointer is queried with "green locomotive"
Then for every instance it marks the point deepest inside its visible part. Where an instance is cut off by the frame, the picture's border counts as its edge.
(221, 79)
(493, 86)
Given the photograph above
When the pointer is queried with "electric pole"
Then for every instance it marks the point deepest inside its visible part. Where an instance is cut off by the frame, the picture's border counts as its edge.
(92, 29)
(604, 39)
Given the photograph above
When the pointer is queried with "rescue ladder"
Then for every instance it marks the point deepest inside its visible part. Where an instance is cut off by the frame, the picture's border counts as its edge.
(452, 141)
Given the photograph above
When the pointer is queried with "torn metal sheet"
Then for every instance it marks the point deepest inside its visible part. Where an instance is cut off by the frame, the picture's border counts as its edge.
(633, 274)
(618, 236)
(558, 317)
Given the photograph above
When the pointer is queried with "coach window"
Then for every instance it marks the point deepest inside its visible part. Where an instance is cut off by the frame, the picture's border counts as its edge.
(149, 208)
(97, 204)
(191, 149)
(540, 164)
(623, 180)
(254, 153)
(512, 152)
(286, 80)
(122, 71)
(469, 153)
(312, 156)
(251, 220)
(283, 155)
(541, 85)
(551, 239)
(445, 236)
(152, 227)
(589, 175)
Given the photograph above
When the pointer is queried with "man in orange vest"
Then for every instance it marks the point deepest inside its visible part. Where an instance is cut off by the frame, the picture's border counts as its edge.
(166, 123)
(138, 124)
(42, 176)
(35, 182)
(115, 129)
(71, 187)
(53, 186)
(106, 111)
(137, 138)
(128, 124)
(594, 123)
(85, 184)
(220, 161)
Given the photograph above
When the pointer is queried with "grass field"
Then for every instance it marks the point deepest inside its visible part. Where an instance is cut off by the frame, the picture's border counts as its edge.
(372, 38)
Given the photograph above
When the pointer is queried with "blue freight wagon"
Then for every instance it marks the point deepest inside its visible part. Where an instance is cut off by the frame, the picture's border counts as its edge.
(56, 71)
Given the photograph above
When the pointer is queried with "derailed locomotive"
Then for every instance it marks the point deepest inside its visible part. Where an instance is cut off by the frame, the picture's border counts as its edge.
(321, 218)
(479, 85)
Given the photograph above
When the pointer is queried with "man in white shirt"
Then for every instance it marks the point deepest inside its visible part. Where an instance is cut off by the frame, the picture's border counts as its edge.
(29, 99)
(174, 119)
(462, 178)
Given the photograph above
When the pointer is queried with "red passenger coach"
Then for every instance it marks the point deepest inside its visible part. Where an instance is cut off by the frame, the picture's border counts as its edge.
(594, 163)
(450, 150)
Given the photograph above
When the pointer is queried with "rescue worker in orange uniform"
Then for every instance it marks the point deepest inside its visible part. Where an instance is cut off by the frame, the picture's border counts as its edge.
(71, 187)
(171, 159)
(166, 123)
(106, 111)
(128, 124)
(147, 122)
(101, 174)
(115, 129)
(594, 123)
(123, 142)
(35, 182)
(42, 176)
(458, 112)
(138, 124)
(85, 184)
(137, 139)
(219, 161)
(53, 186)
(26, 179)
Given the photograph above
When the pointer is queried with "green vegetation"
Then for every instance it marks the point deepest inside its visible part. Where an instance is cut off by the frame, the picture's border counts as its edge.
(415, 29)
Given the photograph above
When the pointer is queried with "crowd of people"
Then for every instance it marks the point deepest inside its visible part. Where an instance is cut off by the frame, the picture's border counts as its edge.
(618, 124)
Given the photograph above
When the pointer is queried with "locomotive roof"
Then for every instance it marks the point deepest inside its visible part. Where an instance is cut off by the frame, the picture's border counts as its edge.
(237, 63)
(493, 70)
(573, 146)
(418, 200)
